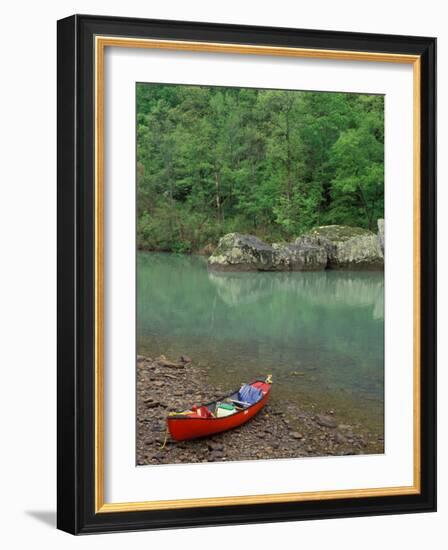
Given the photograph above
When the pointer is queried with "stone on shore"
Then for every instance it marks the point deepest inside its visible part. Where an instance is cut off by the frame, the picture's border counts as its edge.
(282, 429)
(349, 247)
(324, 247)
(164, 362)
(380, 224)
(326, 421)
(237, 252)
(303, 255)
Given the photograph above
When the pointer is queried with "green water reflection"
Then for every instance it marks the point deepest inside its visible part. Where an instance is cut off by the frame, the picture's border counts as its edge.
(320, 334)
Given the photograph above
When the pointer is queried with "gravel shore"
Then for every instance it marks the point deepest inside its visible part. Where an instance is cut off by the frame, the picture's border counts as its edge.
(280, 430)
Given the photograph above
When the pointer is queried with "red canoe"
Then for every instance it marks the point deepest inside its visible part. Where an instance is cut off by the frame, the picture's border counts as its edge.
(239, 407)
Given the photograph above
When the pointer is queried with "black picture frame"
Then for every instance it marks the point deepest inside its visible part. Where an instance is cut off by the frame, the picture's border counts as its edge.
(76, 286)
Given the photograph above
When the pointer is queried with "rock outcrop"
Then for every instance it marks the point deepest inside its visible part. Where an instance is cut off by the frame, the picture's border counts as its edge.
(236, 252)
(349, 247)
(303, 255)
(380, 224)
(325, 247)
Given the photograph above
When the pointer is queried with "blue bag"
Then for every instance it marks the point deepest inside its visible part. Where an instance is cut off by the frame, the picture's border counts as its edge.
(249, 394)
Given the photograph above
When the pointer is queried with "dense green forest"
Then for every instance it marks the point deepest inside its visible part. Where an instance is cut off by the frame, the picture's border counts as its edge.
(272, 163)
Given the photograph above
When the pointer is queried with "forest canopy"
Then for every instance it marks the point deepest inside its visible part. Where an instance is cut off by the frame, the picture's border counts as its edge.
(272, 163)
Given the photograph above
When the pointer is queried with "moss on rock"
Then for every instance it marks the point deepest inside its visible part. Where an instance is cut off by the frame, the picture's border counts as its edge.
(329, 246)
(349, 247)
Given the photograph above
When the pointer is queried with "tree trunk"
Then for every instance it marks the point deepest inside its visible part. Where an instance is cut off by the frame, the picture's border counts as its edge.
(289, 155)
(220, 216)
(366, 207)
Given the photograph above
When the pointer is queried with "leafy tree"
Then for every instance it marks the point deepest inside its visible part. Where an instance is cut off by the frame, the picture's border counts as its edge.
(212, 160)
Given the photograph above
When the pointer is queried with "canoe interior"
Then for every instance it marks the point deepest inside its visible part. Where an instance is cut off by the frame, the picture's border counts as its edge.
(182, 426)
(231, 397)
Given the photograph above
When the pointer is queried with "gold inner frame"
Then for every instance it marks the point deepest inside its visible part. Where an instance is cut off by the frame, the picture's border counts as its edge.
(101, 42)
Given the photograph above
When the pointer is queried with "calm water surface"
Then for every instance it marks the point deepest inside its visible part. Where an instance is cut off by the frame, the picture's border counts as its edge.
(320, 334)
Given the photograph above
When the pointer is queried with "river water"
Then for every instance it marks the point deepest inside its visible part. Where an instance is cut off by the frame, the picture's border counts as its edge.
(321, 334)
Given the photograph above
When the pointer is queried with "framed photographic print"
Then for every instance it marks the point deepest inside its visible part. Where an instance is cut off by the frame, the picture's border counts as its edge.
(246, 274)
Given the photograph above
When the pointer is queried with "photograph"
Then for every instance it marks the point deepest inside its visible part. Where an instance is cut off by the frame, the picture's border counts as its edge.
(259, 274)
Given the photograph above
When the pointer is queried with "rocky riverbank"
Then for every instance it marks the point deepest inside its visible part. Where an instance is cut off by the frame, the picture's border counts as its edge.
(280, 430)
(324, 247)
